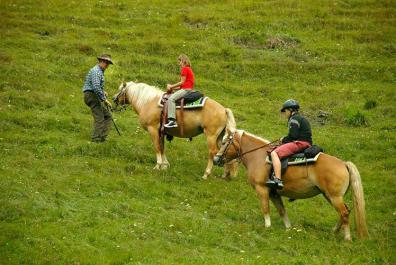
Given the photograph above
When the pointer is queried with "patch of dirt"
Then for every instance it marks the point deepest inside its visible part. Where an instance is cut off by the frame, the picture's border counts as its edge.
(282, 42)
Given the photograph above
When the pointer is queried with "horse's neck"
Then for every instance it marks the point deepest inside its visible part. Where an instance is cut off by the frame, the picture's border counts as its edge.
(250, 142)
(141, 94)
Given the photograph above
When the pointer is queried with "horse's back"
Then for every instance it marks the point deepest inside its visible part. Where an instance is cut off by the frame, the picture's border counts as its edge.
(214, 114)
(211, 118)
(331, 174)
(328, 165)
(327, 175)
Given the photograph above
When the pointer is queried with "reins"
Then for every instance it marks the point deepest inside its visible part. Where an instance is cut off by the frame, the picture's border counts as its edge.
(239, 157)
(257, 148)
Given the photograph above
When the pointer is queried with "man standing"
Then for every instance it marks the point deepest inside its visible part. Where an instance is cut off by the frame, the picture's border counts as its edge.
(96, 98)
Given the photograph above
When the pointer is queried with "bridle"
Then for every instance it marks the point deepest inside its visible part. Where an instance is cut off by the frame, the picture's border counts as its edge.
(221, 158)
(115, 99)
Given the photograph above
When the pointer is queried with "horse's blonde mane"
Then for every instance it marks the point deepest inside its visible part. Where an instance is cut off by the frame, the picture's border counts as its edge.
(140, 94)
(254, 136)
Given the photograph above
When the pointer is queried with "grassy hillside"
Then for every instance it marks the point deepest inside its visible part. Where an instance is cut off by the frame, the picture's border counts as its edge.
(64, 200)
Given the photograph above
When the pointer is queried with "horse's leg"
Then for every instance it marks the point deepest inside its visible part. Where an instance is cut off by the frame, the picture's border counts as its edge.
(234, 169)
(343, 211)
(263, 194)
(165, 162)
(212, 146)
(230, 170)
(227, 172)
(277, 201)
(337, 227)
(157, 145)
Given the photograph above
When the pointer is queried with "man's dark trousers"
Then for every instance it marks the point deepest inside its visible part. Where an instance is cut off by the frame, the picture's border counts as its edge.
(102, 117)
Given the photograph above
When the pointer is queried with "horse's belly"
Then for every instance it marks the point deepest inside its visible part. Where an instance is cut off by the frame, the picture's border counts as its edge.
(187, 132)
(299, 190)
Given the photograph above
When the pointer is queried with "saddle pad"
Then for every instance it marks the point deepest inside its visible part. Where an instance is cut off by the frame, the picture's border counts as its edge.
(199, 103)
(297, 160)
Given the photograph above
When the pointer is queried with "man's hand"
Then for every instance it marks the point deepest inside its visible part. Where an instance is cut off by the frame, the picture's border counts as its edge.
(108, 103)
(106, 95)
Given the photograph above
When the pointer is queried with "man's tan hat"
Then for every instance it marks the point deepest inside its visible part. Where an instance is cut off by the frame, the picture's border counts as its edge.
(105, 57)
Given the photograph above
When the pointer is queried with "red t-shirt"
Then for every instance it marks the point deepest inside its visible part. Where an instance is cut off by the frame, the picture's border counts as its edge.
(188, 73)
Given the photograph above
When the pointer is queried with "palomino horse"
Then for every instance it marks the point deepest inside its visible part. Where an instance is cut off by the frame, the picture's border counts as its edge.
(211, 119)
(328, 175)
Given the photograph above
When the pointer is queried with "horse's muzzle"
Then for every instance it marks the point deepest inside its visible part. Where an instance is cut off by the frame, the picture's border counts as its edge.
(218, 161)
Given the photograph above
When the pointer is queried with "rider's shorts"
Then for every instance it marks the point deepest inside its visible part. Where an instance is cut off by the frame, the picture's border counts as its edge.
(291, 148)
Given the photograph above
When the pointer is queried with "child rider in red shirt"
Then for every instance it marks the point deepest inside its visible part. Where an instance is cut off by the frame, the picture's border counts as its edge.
(182, 88)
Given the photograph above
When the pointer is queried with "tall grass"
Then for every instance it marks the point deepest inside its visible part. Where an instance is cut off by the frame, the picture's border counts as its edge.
(66, 201)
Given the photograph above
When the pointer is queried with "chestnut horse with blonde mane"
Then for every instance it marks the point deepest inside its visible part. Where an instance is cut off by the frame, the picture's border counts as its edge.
(212, 120)
(329, 176)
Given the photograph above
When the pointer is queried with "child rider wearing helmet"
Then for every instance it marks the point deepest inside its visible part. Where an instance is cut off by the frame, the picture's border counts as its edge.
(298, 139)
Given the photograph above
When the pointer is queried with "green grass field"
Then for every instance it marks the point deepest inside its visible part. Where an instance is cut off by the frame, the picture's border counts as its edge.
(64, 200)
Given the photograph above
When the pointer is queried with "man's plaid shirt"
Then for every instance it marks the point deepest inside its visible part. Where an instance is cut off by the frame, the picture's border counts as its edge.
(95, 82)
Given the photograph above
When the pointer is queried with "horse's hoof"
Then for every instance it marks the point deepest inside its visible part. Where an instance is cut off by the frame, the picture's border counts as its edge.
(157, 167)
(226, 177)
(336, 230)
(204, 177)
(164, 166)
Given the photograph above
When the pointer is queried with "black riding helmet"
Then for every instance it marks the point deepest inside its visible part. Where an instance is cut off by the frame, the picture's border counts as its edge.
(290, 104)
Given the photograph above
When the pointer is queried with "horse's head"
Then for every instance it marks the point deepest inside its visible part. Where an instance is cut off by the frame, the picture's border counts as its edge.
(120, 98)
(229, 149)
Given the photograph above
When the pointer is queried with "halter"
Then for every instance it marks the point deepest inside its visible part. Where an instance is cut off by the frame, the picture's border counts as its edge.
(228, 144)
(115, 99)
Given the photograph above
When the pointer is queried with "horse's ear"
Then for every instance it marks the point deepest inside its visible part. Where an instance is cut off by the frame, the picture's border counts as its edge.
(228, 131)
(124, 84)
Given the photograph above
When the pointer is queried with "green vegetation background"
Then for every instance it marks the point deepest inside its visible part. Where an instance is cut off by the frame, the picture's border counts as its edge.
(64, 200)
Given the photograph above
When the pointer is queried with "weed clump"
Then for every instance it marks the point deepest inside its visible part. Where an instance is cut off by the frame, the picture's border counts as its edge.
(5, 58)
(44, 33)
(88, 50)
(370, 104)
(356, 119)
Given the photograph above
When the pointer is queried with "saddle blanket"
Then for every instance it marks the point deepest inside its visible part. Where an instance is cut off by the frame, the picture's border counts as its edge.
(296, 159)
(199, 103)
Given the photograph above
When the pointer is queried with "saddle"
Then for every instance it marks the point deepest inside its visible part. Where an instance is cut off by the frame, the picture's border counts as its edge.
(193, 100)
(309, 155)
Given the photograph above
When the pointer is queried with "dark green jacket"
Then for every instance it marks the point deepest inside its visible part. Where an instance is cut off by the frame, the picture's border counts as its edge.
(299, 129)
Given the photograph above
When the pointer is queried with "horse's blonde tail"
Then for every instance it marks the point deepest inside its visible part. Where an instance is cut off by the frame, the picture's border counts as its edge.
(358, 200)
(231, 124)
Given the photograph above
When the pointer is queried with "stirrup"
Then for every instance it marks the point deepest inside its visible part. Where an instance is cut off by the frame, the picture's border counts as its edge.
(171, 124)
(271, 183)
(279, 183)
